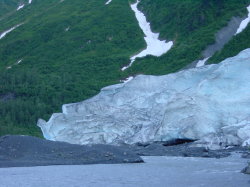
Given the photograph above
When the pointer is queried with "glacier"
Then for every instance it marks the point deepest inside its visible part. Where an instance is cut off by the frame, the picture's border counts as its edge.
(155, 46)
(210, 104)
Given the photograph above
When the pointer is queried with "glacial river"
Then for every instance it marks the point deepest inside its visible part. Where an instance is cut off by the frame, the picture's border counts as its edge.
(157, 171)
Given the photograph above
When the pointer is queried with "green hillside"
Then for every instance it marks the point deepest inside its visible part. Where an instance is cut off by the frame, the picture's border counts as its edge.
(6, 6)
(69, 50)
(237, 44)
(191, 24)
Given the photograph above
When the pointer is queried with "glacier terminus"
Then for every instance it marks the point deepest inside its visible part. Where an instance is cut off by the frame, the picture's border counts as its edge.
(209, 104)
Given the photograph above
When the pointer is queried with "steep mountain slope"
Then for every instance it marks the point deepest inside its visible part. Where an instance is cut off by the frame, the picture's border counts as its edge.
(239, 42)
(191, 24)
(7, 6)
(66, 51)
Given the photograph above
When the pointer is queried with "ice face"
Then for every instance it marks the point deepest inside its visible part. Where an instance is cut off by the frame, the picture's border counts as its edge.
(244, 23)
(206, 103)
(155, 46)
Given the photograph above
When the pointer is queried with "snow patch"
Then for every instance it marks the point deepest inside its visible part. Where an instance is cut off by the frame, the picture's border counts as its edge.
(127, 79)
(109, 1)
(30, 1)
(244, 23)
(20, 7)
(8, 31)
(67, 29)
(19, 61)
(201, 62)
(155, 47)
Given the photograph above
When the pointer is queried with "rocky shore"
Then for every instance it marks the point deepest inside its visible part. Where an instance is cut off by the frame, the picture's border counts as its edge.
(22, 151)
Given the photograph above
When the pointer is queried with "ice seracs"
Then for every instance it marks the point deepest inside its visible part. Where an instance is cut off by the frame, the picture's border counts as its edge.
(209, 104)
(2, 35)
(244, 23)
(155, 46)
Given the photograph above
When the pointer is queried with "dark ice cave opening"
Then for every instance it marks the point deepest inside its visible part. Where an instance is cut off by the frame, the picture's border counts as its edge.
(177, 141)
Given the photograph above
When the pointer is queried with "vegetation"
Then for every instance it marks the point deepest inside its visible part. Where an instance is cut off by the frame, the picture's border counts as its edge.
(192, 26)
(236, 45)
(68, 54)
(71, 49)
(6, 6)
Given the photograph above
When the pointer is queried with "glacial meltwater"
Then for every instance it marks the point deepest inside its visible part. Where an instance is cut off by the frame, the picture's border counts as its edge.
(156, 171)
